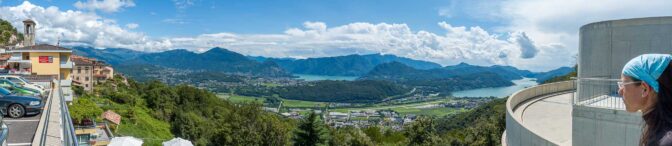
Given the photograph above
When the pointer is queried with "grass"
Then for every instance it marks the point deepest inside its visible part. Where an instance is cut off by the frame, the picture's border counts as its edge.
(286, 102)
(137, 121)
(152, 131)
(301, 104)
(403, 109)
(242, 99)
(439, 112)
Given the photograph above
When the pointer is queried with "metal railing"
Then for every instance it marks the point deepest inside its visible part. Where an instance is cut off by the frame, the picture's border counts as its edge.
(45, 120)
(69, 136)
(598, 93)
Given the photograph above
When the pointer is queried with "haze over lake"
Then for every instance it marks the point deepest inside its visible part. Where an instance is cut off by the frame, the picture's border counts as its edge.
(497, 91)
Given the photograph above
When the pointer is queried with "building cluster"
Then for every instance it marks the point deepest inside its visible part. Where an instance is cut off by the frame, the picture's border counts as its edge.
(366, 118)
(46, 62)
(89, 72)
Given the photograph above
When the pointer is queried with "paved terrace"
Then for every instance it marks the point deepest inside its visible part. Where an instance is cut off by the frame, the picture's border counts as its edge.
(540, 115)
(549, 116)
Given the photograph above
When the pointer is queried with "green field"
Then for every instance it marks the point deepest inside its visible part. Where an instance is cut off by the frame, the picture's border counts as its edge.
(440, 112)
(301, 104)
(403, 109)
(286, 102)
(242, 99)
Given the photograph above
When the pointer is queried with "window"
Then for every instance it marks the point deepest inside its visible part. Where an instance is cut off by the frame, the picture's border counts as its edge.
(86, 78)
(87, 85)
(77, 78)
(79, 70)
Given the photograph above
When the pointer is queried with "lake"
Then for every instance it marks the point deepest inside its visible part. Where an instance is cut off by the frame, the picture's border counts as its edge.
(498, 91)
(321, 77)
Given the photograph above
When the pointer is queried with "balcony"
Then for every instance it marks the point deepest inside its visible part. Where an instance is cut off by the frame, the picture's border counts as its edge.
(18, 58)
(66, 64)
(581, 112)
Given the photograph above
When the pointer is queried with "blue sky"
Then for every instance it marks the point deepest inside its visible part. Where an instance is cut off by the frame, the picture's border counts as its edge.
(528, 34)
(273, 16)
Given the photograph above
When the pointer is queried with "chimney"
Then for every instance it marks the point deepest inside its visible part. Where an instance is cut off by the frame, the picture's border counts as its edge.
(29, 32)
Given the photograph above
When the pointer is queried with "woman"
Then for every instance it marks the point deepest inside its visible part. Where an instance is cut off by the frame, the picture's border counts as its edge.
(646, 86)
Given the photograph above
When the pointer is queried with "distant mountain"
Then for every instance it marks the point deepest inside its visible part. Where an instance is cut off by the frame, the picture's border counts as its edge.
(400, 72)
(215, 59)
(447, 79)
(507, 72)
(113, 56)
(262, 58)
(562, 71)
(350, 65)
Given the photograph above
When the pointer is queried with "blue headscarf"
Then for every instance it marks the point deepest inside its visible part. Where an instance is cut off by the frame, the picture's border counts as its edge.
(648, 68)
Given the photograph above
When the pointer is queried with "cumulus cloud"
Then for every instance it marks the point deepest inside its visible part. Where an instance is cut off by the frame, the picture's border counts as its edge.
(455, 44)
(132, 25)
(108, 6)
(527, 48)
(552, 24)
(76, 28)
(315, 39)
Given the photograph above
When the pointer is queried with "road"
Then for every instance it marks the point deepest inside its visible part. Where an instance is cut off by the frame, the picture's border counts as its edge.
(21, 130)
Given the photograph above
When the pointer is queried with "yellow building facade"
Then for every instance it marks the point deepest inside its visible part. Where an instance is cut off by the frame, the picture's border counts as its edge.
(41, 60)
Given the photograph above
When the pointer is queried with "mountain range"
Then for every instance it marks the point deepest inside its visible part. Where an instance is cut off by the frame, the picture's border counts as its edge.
(365, 66)
(349, 65)
(215, 59)
(400, 72)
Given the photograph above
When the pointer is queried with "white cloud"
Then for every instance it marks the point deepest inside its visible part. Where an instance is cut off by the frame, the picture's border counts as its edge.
(183, 4)
(459, 44)
(529, 42)
(552, 24)
(132, 25)
(76, 28)
(108, 6)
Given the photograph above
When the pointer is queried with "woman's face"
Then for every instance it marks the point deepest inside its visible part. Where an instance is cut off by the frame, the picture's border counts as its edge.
(634, 95)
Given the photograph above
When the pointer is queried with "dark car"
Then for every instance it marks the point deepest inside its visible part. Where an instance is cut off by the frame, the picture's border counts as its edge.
(16, 106)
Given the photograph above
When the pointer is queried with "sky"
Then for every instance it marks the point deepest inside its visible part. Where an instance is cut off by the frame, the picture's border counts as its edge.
(527, 34)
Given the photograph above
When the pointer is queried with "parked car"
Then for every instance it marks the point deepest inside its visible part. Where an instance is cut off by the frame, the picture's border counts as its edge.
(23, 82)
(16, 106)
(18, 89)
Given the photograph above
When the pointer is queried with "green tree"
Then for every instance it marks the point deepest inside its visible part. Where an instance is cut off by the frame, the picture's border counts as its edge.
(311, 132)
(349, 136)
(83, 108)
(422, 132)
(392, 137)
(374, 132)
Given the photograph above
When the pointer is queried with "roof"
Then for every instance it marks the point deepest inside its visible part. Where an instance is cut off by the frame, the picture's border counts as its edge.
(28, 21)
(5, 56)
(81, 61)
(112, 117)
(41, 48)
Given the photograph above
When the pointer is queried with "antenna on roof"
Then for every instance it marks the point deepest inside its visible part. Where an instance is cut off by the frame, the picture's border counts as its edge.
(58, 42)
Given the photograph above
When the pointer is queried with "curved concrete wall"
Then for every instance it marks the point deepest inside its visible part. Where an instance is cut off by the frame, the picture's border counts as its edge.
(516, 133)
(605, 47)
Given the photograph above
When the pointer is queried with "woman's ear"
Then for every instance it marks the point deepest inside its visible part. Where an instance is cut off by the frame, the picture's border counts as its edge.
(645, 89)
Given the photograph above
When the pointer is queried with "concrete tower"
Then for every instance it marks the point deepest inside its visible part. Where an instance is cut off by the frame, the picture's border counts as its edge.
(29, 32)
